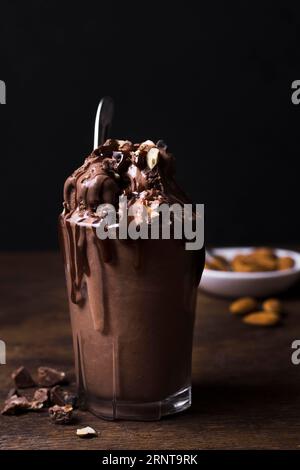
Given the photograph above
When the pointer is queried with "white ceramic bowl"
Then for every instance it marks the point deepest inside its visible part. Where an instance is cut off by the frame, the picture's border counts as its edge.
(260, 284)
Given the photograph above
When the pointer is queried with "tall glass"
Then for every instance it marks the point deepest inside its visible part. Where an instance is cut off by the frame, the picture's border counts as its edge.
(132, 307)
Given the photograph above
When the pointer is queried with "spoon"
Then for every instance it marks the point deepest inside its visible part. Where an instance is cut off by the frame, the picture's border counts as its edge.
(103, 120)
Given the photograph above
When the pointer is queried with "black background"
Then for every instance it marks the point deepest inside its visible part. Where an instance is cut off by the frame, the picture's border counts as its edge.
(213, 80)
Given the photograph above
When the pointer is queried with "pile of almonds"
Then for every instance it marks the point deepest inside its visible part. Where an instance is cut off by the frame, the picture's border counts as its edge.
(258, 260)
(266, 315)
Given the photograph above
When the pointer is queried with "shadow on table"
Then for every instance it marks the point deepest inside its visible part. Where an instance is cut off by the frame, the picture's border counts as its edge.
(242, 398)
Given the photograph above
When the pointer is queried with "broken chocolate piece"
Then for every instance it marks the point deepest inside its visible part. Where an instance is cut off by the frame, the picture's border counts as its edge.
(61, 414)
(36, 405)
(57, 396)
(61, 397)
(86, 432)
(15, 405)
(125, 145)
(41, 395)
(48, 377)
(71, 399)
(161, 145)
(109, 146)
(22, 378)
(13, 391)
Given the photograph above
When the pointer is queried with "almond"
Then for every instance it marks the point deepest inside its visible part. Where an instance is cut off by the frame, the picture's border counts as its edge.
(86, 432)
(243, 305)
(125, 145)
(244, 263)
(286, 262)
(218, 263)
(262, 261)
(264, 251)
(272, 305)
(146, 146)
(152, 157)
(261, 318)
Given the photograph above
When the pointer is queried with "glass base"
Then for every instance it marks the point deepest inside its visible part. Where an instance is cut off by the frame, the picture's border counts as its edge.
(149, 411)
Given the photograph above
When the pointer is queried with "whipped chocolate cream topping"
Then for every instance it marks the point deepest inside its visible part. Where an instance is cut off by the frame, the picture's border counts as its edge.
(140, 171)
(143, 172)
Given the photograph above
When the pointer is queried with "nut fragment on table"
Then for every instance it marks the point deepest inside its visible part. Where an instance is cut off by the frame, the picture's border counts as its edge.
(262, 318)
(272, 305)
(243, 305)
(86, 432)
(61, 414)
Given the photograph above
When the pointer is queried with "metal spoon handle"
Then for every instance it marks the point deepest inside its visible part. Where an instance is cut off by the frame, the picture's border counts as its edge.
(103, 120)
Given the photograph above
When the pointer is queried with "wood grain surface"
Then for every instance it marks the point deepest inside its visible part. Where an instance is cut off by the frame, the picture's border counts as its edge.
(246, 392)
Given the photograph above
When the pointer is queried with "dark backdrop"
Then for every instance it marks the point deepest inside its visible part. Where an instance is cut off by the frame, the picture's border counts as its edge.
(214, 82)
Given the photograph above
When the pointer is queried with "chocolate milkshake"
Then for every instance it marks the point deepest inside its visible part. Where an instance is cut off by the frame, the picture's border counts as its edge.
(132, 302)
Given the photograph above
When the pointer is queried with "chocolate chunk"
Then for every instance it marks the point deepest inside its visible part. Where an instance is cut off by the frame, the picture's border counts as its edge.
(61, 397)
(110, 144)
(36, 405)
(125, 145)
(146, 146)
(16, 405)
(12, 392)
(48, 377)
(22, 378)
(161, 145)
(61, 414)
(41, 395)
(86, 432)
(71, 399)
(57, 396)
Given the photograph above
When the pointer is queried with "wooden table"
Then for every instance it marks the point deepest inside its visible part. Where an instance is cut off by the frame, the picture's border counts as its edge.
(246, 392)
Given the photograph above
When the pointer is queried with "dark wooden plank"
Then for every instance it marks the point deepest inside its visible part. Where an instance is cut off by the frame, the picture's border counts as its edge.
(246, 391)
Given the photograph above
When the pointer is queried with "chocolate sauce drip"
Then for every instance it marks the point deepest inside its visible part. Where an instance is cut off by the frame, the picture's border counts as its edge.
(138, 247)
